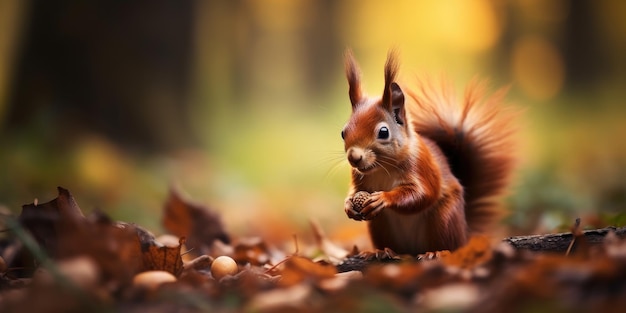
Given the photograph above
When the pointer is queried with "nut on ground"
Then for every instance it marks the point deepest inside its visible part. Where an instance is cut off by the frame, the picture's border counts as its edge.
(223, 266)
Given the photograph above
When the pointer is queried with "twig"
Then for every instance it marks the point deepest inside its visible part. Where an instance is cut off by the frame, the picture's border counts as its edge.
(576, 232)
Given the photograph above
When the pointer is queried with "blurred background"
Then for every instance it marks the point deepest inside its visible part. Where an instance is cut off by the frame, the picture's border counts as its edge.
(239, 104)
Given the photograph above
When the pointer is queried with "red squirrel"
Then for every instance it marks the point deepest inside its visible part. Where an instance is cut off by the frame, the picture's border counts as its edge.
(433, 165)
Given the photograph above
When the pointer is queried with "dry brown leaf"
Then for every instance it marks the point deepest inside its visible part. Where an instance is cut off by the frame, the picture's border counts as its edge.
(47, 220)
(298, 269)
(114, 246)
(163, 258)
(476, 252)
(120, 249)
(251, 250)
(61, 229)
(198, 224)
(333, 252)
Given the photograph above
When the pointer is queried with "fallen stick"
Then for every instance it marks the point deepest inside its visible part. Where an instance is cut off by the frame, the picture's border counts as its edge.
(560, 242)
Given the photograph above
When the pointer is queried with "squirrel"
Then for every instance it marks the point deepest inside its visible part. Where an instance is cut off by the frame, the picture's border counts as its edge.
(433, 167)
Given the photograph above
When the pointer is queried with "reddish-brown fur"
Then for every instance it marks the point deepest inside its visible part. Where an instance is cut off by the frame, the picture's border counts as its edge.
(434, 166)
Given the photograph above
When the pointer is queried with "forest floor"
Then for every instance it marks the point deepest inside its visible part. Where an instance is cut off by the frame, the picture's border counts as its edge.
(56, 259)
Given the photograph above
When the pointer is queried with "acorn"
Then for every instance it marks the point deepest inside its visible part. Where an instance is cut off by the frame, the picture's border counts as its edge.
(153, 279)
(358, 200)
(223, 266)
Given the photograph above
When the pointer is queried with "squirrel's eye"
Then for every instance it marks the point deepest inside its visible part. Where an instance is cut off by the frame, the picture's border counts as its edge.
(343, 135)
(383, 133)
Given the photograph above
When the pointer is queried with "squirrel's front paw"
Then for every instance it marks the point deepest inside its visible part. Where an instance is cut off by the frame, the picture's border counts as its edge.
(364, 205)
(349, 208)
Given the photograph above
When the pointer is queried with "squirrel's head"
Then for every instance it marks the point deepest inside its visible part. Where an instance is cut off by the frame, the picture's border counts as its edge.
(376, 135)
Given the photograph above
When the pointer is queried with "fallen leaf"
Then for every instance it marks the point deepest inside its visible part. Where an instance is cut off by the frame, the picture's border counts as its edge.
(253, 250)
(298, 269)
(202, 262)
(198, 224)
(476, 252)
(333, 252)
(115, 247)
(120, 249)
(163, 258)
(46, 221)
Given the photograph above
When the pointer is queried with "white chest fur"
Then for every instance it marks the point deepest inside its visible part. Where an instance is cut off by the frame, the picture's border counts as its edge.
(381, 180)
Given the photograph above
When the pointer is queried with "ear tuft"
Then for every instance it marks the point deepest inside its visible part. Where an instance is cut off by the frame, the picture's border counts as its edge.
(353, 74)
(391, 71)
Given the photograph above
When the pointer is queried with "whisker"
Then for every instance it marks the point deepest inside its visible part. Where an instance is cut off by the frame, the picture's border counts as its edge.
(337, 161)
(384, 165)
(332, 156)
(381, 165)
(336, 156)
(389, 161)
(334, 168)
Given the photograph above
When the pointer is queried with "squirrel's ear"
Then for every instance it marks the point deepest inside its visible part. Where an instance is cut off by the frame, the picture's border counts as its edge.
(391, 71)
(397, 103)
(354, 78)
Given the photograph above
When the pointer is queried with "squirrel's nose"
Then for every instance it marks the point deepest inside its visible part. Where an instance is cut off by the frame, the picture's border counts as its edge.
(355, 157)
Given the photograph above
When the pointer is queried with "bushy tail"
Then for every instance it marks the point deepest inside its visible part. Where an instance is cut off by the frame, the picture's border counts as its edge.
(476, 135)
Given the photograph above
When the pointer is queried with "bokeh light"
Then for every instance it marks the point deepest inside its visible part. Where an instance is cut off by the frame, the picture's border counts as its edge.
(239, 104)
